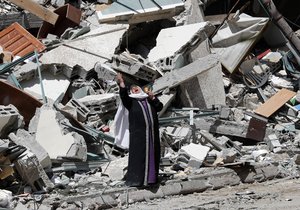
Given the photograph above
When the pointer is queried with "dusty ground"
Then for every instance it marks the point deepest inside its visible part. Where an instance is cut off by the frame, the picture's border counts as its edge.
(274, 194)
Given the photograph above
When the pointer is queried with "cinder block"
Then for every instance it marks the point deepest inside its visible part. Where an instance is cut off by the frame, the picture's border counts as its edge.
(33, 173)
(82, 110)
(10, 120)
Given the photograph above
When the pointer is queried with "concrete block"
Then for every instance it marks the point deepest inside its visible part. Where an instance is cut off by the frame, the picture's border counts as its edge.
(82, 110)
(197, 91)
(104, 71)
(229, 155)
(166, 99)
(10, 120)
(178, 76)
(225, 113)
(54, 86)
(274, 144)
(141, 195)
(24, 138)
(100, 103)
(181, 132)
(138, 12)
(136, 67)
(257, 172)
(33, 173)
(196, 151)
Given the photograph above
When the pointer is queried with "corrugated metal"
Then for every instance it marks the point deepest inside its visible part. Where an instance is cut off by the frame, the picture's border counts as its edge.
(19, 41)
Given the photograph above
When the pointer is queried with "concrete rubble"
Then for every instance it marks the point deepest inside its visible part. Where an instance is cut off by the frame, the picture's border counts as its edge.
(230, 94)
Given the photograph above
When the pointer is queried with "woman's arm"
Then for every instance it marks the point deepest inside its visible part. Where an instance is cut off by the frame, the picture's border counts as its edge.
(126, 100)
(155, 102)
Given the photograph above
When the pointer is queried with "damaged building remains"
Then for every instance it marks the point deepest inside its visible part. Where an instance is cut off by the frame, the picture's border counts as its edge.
(227, 73)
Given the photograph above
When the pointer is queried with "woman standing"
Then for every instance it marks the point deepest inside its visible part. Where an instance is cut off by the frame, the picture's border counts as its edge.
(144, 142)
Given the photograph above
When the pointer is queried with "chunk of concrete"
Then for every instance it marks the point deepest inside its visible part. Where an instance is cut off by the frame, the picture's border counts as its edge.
(32, 172)
(179, 76)
(89, 49)
(81, 110)
(53, 85)
(133, 11)
(175, 41)
(236, 37)
(50, 135)
(10, 120)
(166, 99)
(100, 103)
(196, 151)
(24, 138)
(135, 66)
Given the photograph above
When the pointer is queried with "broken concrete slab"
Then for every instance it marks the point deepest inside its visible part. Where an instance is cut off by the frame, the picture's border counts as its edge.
(236, 37)
(193, 13)
(49, 133)
(166, 99)
(196, 92)
(133, 11)
(88, 49)
(32, 172)
(178, 76)
(174, 43)
(24, 138)
(53, 86)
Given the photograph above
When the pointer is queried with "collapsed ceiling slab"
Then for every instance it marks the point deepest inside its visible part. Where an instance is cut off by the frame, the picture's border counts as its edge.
(133, 11)
(96, 46)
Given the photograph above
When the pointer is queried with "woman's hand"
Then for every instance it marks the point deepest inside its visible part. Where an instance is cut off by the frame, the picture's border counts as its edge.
(120, 80)
(151, 95)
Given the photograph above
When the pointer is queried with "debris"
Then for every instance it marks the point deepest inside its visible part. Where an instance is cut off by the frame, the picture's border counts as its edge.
(275, 102)
(135, 11)
(22, 43)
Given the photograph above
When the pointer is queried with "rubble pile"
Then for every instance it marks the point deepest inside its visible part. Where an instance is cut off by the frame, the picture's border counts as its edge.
(229, 83)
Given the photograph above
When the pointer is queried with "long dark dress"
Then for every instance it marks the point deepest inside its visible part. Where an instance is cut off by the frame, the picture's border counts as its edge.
(144, 142)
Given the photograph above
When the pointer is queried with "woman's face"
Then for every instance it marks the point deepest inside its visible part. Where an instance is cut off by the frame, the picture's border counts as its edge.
(135, 89)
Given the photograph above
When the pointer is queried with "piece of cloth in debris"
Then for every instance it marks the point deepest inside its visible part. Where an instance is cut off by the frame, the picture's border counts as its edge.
(144, 149)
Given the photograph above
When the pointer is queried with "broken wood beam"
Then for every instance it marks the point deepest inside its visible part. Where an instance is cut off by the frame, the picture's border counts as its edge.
(38, 10)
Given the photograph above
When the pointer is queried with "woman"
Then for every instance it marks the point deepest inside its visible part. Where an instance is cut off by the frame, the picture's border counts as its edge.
(144, 143)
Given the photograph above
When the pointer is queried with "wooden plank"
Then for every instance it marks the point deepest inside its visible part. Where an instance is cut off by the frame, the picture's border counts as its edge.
(35, 8)
(275, 102)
